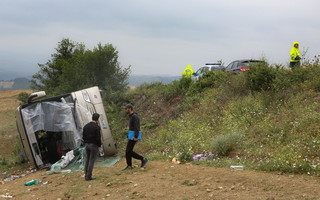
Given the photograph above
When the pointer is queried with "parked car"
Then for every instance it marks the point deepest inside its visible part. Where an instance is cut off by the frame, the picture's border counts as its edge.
(49, 127)
(238, 66)
(206, 68)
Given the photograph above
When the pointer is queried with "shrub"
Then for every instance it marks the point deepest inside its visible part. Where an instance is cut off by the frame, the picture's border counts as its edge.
(185, 83)
(260, 77)
(171, 90)
(222, 145)
(311, 79)
(282, 80)
(299, 75)
(23, 97)
(237, 86)
(208, 80)
(174, 89)
(185, 155)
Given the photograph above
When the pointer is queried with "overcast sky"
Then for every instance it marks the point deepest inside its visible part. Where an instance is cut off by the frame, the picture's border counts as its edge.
(158, 37)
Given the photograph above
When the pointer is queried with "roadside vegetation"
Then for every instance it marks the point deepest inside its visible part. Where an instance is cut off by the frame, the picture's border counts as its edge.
(265, 119)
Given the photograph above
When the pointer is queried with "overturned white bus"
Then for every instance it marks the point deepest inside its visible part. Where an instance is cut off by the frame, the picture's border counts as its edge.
(48, 128)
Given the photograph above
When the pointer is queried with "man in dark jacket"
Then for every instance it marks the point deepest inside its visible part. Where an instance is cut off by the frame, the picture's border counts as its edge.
(92, 140)
(134, 125)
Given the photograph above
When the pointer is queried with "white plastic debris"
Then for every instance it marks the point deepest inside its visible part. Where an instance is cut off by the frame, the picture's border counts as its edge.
(67, 159)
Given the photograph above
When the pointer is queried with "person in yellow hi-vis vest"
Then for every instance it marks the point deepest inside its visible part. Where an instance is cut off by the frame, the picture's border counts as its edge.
(187, 73)
(295, 56)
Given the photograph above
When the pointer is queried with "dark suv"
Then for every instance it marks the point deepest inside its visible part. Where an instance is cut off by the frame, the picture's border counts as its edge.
(241, 65)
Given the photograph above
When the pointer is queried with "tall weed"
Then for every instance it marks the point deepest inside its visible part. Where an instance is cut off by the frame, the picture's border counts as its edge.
(222, 145)
(260, 77)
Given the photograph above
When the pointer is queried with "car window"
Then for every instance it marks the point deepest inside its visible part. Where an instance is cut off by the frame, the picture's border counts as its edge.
(198, 71)
(205, 69)
(230, 65)
(248, 63)
(215, 68)
(245, 64)
(235, 65)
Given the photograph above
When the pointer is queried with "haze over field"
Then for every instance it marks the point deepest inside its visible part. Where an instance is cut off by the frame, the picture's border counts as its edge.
(157, 37)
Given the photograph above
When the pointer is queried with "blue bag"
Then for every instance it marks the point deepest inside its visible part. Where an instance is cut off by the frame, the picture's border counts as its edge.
(131, 135)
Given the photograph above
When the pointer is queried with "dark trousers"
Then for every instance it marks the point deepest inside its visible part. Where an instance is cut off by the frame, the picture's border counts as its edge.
(91, 154)
(294, 64)
(130, 153)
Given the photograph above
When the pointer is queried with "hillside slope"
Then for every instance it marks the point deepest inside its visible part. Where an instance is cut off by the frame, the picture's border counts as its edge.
(267, 131)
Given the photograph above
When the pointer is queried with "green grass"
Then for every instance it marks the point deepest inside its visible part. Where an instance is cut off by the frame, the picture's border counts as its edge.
(269, 126)
(8, 123)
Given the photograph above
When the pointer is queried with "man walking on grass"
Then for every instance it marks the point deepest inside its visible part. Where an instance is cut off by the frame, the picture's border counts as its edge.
(92, 140)
(133, 135)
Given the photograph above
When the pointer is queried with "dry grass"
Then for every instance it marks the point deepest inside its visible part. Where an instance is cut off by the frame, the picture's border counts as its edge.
(132, 88)
(8, 105)
(8, 99)
(8, 131)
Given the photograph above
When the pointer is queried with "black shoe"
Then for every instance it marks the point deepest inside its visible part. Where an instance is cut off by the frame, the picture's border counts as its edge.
(144, 162)
(128, 167)
(90, 179)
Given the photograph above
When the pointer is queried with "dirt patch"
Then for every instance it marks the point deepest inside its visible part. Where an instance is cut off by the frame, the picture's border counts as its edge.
(163, 180)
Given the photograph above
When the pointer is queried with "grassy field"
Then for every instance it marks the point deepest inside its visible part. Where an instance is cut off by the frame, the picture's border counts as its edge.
(273, 130)
(8, 131)
(265, 119)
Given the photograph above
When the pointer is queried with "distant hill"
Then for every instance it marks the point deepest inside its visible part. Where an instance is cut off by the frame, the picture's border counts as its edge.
(136, 80)
(16, 84)
(6, 85)
(21, 84)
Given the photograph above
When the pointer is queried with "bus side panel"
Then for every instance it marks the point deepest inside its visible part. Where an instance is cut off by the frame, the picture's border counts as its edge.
(23, 137)
(94, 104)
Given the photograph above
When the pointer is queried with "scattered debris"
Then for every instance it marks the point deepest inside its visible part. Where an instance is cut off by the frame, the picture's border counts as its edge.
(58, 172)
(45, 183)
(8, 179)
(65, 160)
(6, 196)
(200, 157)
(236, 167)
(175, 160)
(33, 189)
(66, 171)
(13, 177)
(109, 184)
(32, 182)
